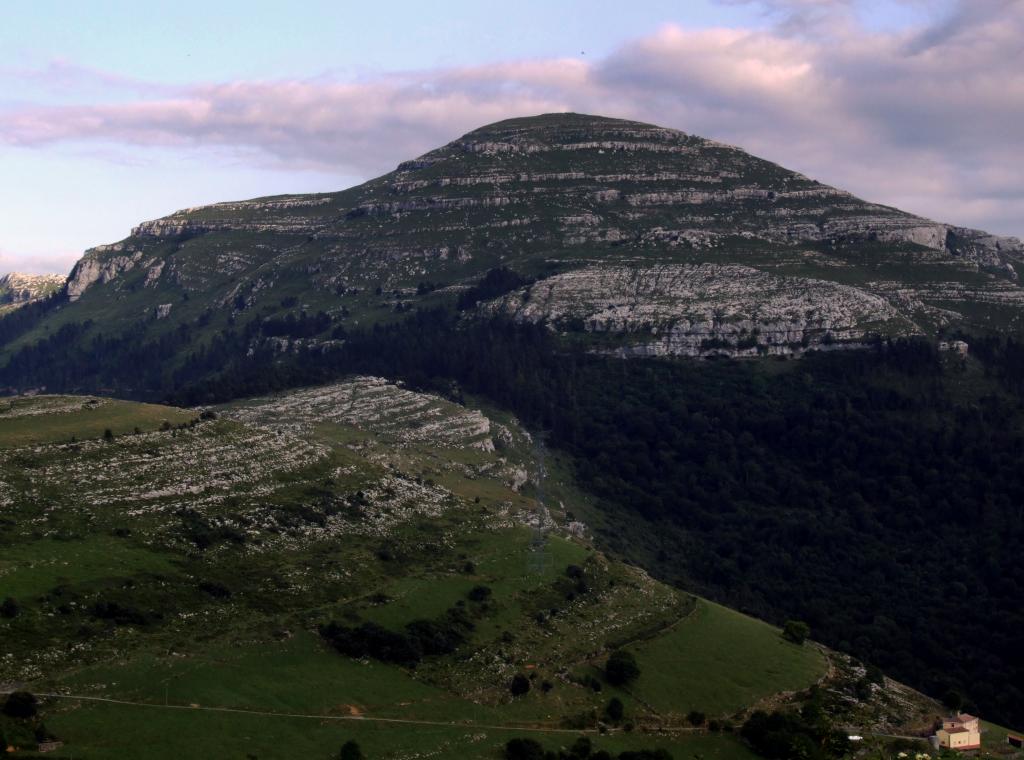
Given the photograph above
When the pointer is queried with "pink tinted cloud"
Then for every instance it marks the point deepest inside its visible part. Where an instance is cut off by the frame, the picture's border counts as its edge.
(925, 118)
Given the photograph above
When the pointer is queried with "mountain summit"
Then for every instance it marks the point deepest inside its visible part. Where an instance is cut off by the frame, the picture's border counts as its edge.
(642, 239)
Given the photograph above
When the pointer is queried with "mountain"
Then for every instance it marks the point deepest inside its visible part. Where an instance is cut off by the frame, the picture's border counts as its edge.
(640, 239)
(555, 268)
(18, 289)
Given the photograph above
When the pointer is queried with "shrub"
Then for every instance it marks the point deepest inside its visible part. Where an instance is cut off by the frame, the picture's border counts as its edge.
(21, 704)
(696, 718)
(581, 749)
(621, 668)
(350, 750)
(9, 608)
(479, 594)
(519, 685)
(523, 749)
(615, 710)
(796, 631)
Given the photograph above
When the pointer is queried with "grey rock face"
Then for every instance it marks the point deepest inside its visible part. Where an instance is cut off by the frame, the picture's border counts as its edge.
(17, 289)
(704, 309)
(94, 267)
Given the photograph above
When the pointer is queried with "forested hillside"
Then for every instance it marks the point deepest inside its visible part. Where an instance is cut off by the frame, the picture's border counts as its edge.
(876, 494)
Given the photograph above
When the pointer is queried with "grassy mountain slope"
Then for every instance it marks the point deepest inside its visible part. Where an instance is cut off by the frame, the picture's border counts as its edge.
(170, 598)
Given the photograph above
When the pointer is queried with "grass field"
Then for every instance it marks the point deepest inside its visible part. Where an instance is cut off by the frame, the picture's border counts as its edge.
(32, 420)
(114, 732)
(31, 569)
(340, 696)
(718, 661)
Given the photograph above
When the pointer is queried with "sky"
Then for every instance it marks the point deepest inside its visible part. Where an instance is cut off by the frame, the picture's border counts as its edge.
(116, 112)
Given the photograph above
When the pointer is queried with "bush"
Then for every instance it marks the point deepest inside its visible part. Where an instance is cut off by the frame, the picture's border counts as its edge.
(519, 685)
(479, 594)
(523, 749)
(615, 710)
(21, 704)
(796, 631)
(350, 750)
(581, 749)
(621, 668)
(9, 608)
(696, 718)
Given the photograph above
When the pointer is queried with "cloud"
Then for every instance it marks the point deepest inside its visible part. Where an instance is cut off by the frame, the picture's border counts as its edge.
(36, 264)
(923, 118)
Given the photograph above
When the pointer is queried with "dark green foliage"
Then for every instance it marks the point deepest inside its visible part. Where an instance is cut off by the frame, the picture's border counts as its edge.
(796, 631)
(621, 668)
(646, 754)
(119, 613)
(292, 326)
(421, 638)
(696, 718)
(350, 750)
(372, 640)
(523, 749)
(785, 736)
(580, 749)
(953, 699)
(215, 589)
(497, 282)
(21, 704)
(479, 593)
(615, 710)
(519, 685)
(9, 608)
(203, 534)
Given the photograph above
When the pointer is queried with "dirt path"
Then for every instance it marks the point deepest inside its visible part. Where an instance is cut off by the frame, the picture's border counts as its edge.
(363, 718)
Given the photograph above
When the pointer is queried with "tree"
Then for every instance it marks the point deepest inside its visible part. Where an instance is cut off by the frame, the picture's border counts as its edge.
(350, 750)
(621, 668)
(953, 699)
(108, 434)
(696, 718)
(796, 631)
(479, 593)
(581, 749)
(523, 749)
(9, 608)
(21, 704)
(615, 710)
(519, 685)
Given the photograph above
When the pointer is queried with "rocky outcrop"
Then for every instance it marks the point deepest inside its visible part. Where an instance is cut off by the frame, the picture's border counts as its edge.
(94, 267)
(17, 289)
(704, 309)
